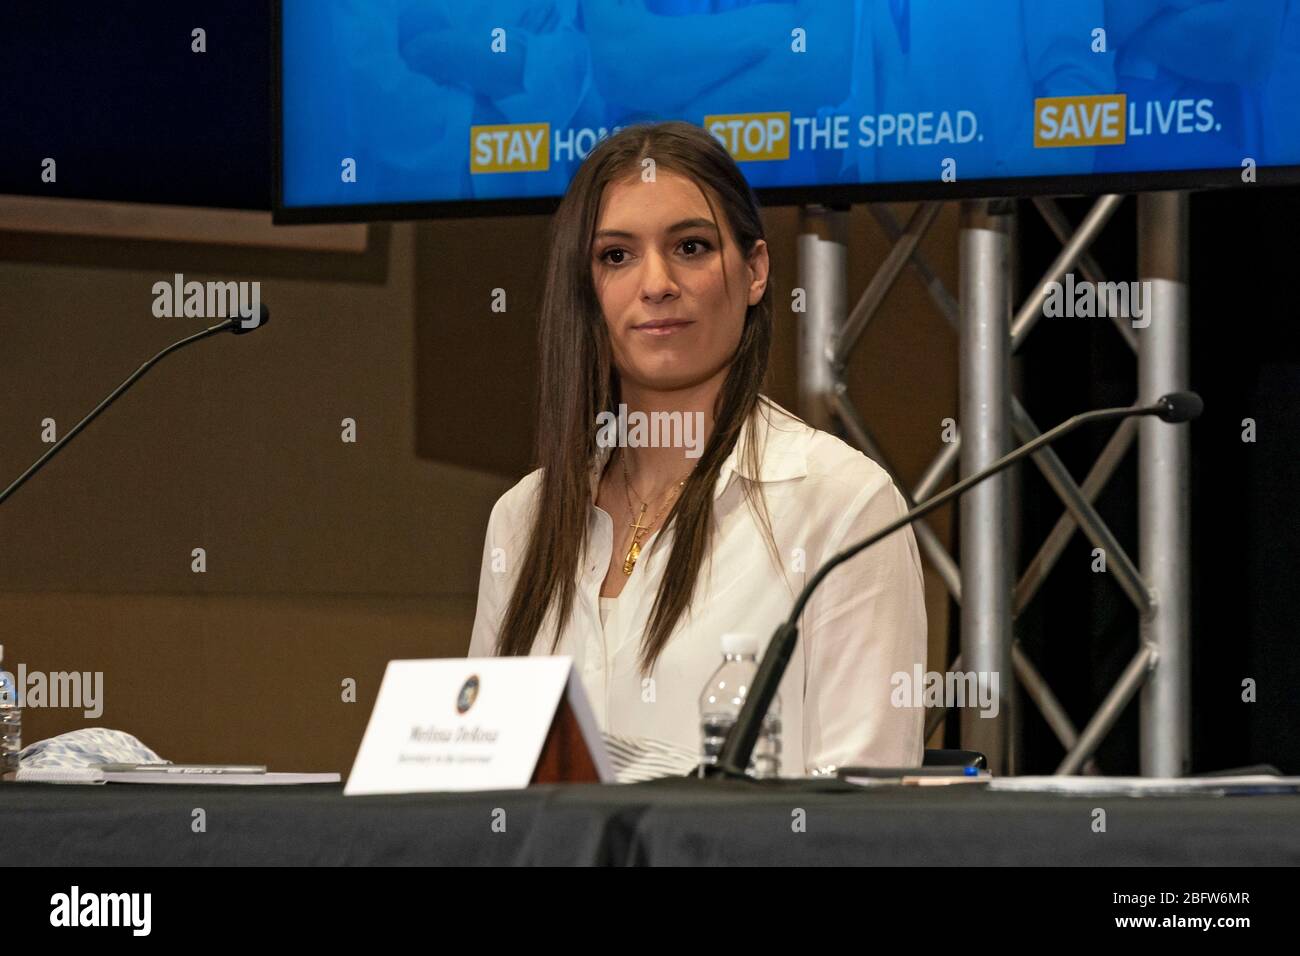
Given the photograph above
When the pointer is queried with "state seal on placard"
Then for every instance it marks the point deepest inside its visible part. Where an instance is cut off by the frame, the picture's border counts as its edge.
(468, 694)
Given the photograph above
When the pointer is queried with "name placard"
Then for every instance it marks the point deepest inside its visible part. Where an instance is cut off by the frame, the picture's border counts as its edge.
(477, 724)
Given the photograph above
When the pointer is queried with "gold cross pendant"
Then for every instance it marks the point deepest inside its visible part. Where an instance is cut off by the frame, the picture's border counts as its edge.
(635, 551)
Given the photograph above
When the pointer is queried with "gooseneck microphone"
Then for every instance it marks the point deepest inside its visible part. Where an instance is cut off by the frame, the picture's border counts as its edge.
(1177, 407)
(233, 324)
(1174, 408)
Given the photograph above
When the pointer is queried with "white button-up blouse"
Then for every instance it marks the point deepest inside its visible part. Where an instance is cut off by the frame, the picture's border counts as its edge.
(865, 623)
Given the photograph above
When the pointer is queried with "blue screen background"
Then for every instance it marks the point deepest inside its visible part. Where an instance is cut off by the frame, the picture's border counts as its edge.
(397, 85)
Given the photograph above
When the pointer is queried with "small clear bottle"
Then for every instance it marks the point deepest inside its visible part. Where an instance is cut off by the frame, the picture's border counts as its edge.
(11, 722)
(720, 705)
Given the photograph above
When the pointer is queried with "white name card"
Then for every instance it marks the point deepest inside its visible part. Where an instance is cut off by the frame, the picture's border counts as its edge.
(469, 724)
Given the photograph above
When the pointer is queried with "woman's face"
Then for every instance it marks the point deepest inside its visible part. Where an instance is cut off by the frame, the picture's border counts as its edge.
(658, 275)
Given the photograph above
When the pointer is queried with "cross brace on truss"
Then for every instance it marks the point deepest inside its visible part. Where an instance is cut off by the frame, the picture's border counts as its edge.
(990, 415)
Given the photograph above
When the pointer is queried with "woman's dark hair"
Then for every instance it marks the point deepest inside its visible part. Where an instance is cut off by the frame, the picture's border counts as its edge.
(578, 380)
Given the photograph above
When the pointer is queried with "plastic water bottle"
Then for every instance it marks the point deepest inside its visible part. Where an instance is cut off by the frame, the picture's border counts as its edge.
(11, 721)
(720, 704)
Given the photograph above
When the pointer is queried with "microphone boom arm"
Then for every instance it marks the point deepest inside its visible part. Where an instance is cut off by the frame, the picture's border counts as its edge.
(743, 735)
(112, 397)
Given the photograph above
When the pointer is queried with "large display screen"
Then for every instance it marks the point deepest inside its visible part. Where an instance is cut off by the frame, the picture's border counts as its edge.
(410, 107)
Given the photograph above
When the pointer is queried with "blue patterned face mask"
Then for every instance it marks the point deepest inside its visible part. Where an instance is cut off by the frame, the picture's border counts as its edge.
(86, 748)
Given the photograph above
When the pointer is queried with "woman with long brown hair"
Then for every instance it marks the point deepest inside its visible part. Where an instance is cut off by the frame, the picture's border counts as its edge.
(635, 559)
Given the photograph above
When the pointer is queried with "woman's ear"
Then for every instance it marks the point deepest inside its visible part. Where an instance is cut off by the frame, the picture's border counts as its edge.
(758, 266)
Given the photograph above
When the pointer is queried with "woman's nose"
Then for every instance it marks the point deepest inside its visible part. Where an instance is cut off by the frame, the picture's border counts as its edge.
(657, 277)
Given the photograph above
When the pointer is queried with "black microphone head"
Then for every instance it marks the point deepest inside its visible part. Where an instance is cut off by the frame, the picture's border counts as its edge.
(263, 316)
(1179, 406)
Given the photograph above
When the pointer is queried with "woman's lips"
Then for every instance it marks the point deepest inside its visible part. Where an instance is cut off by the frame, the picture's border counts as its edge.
(664, 328)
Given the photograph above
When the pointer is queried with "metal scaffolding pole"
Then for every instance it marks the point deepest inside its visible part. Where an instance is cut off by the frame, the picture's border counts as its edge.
(1164, 462)
(823, 276)
(985, 410)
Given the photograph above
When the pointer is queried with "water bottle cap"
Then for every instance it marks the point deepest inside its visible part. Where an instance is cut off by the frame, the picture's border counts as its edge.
(740, 643)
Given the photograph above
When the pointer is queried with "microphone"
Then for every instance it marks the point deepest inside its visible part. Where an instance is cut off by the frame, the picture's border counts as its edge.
(739, 746)
(1179, 407)
(233, 324)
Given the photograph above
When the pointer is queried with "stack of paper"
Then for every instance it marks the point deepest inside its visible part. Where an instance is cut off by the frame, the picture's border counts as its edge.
(1147, 786)
(95, 775)
(636, 759)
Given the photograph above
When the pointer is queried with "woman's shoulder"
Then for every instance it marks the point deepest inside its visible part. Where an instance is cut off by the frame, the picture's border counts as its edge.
(830, 465)
(519, 498)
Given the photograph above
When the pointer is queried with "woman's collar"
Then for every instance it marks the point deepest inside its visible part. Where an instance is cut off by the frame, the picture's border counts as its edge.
(782, 449)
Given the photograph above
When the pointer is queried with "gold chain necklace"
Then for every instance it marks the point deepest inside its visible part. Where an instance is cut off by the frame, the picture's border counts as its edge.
(638, 529)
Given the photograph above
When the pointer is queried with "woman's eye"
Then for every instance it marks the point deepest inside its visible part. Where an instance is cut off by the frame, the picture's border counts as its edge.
(699, 247)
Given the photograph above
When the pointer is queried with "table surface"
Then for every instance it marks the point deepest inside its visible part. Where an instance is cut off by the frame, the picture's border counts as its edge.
(663, 822)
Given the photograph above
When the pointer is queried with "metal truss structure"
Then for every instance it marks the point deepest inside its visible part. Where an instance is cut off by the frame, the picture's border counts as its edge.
(992, 419)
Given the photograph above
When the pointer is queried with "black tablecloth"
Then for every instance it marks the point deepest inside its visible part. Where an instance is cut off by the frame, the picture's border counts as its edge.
(665, 822)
